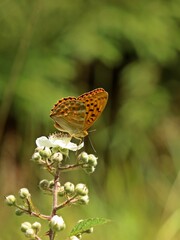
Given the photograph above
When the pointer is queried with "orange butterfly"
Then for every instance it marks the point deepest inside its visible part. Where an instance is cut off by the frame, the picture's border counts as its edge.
(76, 115)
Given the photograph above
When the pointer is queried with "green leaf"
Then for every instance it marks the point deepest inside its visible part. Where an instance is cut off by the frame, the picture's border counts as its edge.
(86, 224)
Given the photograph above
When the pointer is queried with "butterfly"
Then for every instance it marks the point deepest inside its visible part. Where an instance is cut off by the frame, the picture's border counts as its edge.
(75, 115)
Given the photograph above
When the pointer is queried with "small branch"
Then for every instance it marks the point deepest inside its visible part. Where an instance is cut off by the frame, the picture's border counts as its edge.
(66, 202)
(68, 167)
(32, 213)
(35, 214)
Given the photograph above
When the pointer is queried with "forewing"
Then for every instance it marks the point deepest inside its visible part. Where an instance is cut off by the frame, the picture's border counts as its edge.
(95, 102)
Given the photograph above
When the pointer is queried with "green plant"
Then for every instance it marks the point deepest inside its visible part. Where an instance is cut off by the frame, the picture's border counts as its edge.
(52, 154)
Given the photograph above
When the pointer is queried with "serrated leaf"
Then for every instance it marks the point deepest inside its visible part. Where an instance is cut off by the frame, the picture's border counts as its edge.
(86, 224)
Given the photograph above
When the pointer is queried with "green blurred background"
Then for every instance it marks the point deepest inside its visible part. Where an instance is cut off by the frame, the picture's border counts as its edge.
(54, 49)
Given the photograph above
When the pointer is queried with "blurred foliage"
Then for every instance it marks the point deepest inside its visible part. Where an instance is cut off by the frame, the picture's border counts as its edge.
(54, 49)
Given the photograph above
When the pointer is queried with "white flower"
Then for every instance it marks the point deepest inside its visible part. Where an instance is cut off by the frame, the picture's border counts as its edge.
(57, 140)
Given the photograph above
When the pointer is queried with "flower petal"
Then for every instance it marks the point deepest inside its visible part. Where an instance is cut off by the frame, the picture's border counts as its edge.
(60, 142)
(43, 142)
(75, 147)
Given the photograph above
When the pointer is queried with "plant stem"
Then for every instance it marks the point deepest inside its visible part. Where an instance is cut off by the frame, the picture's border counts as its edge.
(55, 201)
(55, 192)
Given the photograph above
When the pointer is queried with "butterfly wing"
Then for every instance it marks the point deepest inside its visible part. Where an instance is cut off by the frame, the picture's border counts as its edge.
(69, 115)
(95, 102)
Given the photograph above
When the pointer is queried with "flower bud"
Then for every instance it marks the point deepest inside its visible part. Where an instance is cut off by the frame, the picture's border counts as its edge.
(10, 200)
(45, 153)
(57, 157)
(25, 226)
(19, 212)
(81, 189)
(24, 193)
(38, 149)
(83, 200)
(83, 157)
(36, 226)
(57, 223)
(69, 187)
(51, 184)
(44, 184)
(36, 157)
(30, 233)
(89, 169)
(92, 160)
(61, 191)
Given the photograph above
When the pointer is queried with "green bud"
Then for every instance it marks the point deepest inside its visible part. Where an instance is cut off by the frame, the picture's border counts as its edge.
(83, 200)
(24, 193)
(61, 191)
(92, 160)
(57, 223)
(36, 226)
(69, 187)
(51, 184)
(45, 153)
(44, 184)
(30, 233)
(10, 200)
(81, 189)
(19, 212)
(36, 157)
(83, 157)
(57, 157)
(25, 226)
(89, 169)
